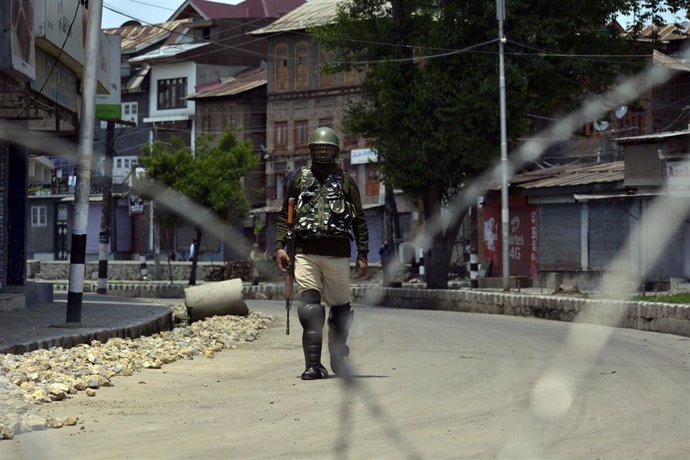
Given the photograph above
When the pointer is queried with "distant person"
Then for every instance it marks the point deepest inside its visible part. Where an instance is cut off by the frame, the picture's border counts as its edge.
(192, 249)
(387, 251)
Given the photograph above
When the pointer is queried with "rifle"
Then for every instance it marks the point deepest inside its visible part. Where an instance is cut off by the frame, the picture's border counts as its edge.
(290, 271)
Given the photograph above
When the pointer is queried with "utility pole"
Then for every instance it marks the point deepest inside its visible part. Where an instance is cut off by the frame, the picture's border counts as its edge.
(84, 156)
(104, 235)
(505, 217)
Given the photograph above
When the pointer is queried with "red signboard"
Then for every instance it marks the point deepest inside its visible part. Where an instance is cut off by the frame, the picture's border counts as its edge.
(522, 240)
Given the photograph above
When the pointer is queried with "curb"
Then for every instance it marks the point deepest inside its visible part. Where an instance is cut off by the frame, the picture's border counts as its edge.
(164, 322)
(643, 316)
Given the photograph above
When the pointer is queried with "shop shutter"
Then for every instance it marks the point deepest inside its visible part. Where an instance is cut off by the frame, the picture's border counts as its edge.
(608, 231)
(671, 251)
(558, 240)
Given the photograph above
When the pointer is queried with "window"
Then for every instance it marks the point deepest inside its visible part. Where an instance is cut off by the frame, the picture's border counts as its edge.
(372, 187)
(326, 122)
(350, 141)
(118, 163)
(326, 80)
(171, 93)
(351, 77)
(39, 216)
(280, 135)
(301, 133)
(130, 111)
(281, 77)
(302, 66)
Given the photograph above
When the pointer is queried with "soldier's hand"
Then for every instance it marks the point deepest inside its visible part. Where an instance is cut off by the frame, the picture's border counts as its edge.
(282, 259)
(362, 267)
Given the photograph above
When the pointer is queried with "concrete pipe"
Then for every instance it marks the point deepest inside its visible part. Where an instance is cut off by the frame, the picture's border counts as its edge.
(215, 299)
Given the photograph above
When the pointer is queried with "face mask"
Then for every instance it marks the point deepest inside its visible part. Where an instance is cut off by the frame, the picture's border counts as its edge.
(323, 153)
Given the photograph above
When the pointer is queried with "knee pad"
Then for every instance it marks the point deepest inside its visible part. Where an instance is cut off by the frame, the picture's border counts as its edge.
(340, 316)
(312, 316)
(310, 296)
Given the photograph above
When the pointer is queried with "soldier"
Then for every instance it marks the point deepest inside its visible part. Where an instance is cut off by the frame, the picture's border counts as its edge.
(328, 209)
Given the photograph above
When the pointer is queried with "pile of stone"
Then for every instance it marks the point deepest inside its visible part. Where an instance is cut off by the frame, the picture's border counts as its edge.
(45, 376)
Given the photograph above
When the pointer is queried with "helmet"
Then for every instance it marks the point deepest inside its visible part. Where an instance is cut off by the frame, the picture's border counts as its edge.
(324, 145)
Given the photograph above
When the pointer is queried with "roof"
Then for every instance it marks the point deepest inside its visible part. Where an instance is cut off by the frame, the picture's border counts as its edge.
(667, 32)
(167, 51)
(135, 81)
(312, 13)
(667, 61)
(653, 137)
(137, 38)
(240, 83)
(247, 9)
(569, 175)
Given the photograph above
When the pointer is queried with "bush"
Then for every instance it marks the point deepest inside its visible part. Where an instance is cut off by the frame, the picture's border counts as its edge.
(233, 269)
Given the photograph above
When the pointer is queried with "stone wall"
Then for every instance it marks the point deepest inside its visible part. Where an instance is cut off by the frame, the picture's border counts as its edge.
(128, 270)
(118, 270)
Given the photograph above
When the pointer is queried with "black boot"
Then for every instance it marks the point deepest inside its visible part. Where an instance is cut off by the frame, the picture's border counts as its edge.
(312, 316)
(339, 322)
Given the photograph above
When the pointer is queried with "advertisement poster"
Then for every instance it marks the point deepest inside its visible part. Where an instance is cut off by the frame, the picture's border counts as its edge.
(522, 240)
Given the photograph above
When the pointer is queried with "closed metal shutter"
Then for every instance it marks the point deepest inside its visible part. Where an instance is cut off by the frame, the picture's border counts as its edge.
(608, 230)
(670, 252)
(558, 240)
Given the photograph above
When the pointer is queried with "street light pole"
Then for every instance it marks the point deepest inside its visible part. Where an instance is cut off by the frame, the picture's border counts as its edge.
(505, 217)
(84, 156)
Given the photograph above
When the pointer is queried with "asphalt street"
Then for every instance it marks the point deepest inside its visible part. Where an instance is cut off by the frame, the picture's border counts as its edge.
(425, 385)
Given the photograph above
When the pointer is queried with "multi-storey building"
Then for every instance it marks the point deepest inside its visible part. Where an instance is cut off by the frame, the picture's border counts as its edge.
(168, 68)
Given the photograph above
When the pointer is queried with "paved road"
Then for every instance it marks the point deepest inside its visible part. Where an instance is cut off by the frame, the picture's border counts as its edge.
(426, 384)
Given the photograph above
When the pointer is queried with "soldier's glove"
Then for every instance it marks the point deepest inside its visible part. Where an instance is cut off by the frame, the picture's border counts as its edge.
(282, 259)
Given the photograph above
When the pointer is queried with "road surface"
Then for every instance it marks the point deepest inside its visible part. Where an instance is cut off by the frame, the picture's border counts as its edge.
(426, 385)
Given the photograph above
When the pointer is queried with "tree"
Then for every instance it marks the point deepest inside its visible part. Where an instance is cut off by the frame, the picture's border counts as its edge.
(429, 99)
(211, 176)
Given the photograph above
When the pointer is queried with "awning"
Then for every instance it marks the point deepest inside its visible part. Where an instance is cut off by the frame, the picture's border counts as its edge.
(92, 199)
(168, 118)
(614, 196)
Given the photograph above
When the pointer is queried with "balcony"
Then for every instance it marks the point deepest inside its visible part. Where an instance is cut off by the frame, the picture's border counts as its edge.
(63, 189)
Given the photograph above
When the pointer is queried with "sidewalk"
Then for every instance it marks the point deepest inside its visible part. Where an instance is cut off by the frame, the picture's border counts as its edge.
(102, 317)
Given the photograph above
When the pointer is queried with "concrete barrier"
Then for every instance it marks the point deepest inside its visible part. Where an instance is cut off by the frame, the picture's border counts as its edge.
(219, 298)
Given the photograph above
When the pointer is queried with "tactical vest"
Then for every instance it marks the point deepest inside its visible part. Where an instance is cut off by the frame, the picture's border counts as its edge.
(322, 209)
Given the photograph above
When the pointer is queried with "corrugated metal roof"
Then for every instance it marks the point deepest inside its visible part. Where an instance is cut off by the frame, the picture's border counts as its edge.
(312, 13)
(652, 137)
(136, 38)
(240, 83)
(167, 51)
(245, 9)
(666, 32)
(136, 80)
(569, 175)
(672, 63)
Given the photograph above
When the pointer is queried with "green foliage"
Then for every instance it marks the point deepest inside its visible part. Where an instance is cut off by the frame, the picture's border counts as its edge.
(211, 176)
(681, 297)
(430, 97)
(434, 119)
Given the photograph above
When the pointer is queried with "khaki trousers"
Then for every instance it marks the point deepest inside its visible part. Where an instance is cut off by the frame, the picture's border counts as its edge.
(327, 274)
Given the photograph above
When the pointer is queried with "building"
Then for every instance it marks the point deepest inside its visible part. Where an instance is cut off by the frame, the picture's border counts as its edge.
(40, 69)
(202, 45)
(571, 224)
